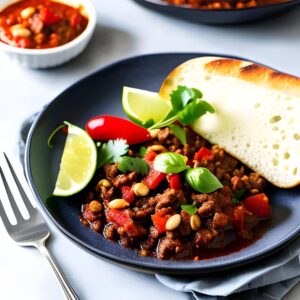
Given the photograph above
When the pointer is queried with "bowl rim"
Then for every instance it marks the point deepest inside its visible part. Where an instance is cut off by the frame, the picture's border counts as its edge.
(92, 19)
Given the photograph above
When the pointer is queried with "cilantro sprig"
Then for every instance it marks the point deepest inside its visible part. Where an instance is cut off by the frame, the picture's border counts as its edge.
(128, 164)
(187, 106)
(111, 152)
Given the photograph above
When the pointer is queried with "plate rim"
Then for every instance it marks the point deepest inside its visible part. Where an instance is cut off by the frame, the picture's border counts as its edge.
(186, 266)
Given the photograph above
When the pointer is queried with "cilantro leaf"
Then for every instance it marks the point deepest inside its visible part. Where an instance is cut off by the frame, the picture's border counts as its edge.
(179, 132)
(193, 111)
(186, 107)
(189, 208)
(127, 164)
(111, 152)
(142, 151)
(239, 193)
(235, 201)
(182, 96)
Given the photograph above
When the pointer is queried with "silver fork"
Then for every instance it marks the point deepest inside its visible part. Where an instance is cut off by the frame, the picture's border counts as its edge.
(33, 231)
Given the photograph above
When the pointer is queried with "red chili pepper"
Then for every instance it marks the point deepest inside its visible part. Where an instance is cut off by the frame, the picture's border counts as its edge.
(110, 128)
(258, 205)
(204, 154)
(128, 194)
(238, 217)
(48, 17)
(159, 222)
(75, 20)
(154, 178)
(174, 182)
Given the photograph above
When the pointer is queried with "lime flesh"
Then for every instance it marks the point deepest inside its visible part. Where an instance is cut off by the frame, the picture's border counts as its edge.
(78, 162)
(143, 105)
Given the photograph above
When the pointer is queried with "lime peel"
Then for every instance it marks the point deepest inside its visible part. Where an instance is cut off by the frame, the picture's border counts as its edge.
(81, 150)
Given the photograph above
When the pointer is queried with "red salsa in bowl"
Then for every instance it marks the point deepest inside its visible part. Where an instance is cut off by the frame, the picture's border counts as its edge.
(40, 24)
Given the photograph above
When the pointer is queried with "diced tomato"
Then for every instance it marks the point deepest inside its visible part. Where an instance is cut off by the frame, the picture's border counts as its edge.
(238, 217)
(48, 17)
(24, 42)
(159, 222)
(128, 194)
(174, 182)
(149, 157)
(154, 178)
(258, 205)
(122, 219)
(75, 20)
(203, 154)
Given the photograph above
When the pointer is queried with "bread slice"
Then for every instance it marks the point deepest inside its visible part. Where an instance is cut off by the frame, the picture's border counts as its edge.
(257, 116)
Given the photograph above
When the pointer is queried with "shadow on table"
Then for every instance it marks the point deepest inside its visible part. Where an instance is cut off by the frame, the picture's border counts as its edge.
(106, 45)
(282, 26)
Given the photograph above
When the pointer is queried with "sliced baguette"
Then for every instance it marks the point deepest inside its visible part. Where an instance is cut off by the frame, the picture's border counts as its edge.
(257, 117)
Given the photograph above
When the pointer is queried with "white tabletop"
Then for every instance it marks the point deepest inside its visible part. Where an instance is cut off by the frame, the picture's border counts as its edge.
(124, 29)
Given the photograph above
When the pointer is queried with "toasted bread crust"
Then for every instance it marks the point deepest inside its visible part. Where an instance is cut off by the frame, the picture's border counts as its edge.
(256, 74)
(286, 86)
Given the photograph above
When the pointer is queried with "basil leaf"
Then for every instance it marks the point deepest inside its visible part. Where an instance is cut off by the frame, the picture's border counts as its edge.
(169, 162)
(182, 96)
(128, 164)
(202, 180)
(193, 111)
(189, 208)
(179, 132)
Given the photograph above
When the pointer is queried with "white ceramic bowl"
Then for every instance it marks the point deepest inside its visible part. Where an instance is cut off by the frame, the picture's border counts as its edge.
(46, 58)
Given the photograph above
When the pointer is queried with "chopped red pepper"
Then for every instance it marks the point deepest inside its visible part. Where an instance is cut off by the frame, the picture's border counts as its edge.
(204, 154)
(128, 194)
(174, 182)
(149, 157)
(160, 221)
(104, 128)
(122, 219)
(48, 17)
(258, 205)
(154, 178)
(238, 217)
(75, 20)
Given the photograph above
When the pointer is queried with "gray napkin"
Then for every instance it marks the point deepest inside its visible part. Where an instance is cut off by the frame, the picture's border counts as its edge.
(268, 279)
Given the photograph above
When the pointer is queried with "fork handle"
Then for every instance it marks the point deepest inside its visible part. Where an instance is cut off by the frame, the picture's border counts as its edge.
(68, 290)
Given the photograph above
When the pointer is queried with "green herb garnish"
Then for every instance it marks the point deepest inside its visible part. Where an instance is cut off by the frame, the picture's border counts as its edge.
(142, 151)
(169, 162)
(128, 164)
(179, 132)
(202, 180)
(236, 197)
(111, 152)
(186, 107)
(189, 208)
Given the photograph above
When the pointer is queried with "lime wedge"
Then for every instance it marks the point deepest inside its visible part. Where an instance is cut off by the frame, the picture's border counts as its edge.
(142, 106)
(78, 162)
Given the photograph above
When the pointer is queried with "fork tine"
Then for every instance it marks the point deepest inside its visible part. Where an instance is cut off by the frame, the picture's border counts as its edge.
(11, 198)
(4, 218)
(24, 196)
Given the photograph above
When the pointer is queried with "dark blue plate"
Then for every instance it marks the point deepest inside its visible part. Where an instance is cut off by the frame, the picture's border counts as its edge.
(222, 16)
(100, 93)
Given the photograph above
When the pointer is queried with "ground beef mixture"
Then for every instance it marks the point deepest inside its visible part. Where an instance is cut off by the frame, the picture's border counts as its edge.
(221, 4)
(146, 213)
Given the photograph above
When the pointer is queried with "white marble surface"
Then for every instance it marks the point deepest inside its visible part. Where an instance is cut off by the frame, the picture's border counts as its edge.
(124, 29)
